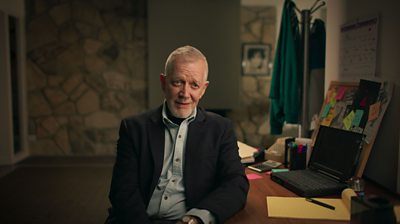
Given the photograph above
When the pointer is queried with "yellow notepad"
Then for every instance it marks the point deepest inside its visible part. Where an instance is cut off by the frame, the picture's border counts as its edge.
(298, 207)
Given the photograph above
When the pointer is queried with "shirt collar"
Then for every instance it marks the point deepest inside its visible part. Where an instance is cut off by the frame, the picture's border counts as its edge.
(167, 121)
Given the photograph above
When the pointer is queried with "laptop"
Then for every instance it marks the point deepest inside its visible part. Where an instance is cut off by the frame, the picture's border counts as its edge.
(333, 161)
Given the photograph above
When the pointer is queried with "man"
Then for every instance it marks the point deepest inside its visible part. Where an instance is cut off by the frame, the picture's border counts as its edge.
(178, 163)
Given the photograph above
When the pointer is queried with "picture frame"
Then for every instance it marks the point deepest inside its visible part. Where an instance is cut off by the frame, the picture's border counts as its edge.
(255, 59)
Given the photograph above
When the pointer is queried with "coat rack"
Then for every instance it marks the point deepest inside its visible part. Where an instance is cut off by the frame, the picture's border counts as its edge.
(305, 34)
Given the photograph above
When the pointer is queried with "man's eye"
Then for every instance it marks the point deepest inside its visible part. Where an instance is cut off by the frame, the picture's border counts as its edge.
(195, 85)
(177, 83)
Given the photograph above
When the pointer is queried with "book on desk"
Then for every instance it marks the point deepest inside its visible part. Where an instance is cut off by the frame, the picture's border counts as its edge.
(247, 153)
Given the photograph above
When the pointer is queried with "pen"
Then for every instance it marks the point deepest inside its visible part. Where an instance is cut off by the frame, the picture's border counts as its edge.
(320, 203)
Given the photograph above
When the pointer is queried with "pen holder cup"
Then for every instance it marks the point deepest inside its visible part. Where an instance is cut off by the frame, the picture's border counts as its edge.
(300, 159)
(297, 160)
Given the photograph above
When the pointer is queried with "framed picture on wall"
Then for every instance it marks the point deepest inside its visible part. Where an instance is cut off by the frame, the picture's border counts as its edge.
(255, 59)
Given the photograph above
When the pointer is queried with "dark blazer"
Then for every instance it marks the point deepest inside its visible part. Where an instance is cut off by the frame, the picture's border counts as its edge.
(214, 178)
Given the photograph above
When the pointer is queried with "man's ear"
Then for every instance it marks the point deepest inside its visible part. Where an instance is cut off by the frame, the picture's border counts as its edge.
(206, 84)
(204, 88)
(163, 80)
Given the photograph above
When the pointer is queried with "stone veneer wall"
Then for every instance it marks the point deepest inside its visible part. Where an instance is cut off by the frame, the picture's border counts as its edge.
(86, 69)
(258, 25)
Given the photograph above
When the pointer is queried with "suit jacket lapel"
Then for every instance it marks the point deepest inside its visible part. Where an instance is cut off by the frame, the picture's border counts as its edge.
(193, 138)
(156, 138)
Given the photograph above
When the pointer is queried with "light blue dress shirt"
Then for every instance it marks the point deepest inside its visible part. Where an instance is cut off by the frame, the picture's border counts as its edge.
(168, 199)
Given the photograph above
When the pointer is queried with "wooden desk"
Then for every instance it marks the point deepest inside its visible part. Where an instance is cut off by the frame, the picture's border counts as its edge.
(255, 211)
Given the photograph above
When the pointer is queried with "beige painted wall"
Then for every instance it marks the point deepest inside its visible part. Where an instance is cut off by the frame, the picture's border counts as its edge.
(383, 164)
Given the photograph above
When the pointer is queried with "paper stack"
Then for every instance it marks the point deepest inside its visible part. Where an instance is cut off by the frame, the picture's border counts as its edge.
(246, 152)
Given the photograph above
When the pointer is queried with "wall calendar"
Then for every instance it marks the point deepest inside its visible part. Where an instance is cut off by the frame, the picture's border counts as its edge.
(358, 48)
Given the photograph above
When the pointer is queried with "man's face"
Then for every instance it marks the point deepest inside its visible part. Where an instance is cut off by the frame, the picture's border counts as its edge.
(184, 88)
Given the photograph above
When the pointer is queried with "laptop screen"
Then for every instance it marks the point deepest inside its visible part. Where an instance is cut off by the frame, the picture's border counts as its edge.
(336, 152)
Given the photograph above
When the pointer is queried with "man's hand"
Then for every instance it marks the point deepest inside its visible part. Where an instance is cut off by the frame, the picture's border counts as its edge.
(188, 219)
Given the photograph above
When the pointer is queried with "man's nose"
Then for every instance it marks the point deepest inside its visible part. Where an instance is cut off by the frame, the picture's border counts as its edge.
(184, 90)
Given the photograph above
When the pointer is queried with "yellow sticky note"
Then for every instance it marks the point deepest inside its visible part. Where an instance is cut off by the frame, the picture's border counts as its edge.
(332, 102)
(331, 94)
(374, 111)
(348, 120)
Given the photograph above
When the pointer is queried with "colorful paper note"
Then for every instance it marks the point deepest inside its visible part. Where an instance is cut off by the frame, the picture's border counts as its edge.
(374, 111)
(277, 170)
(363, 102)
(333, 102)
(326, 110)
(357, 118)
(328, 96)
(333, 99)
(328, 120)
(341, 92)
(253, 176)
(348, 120)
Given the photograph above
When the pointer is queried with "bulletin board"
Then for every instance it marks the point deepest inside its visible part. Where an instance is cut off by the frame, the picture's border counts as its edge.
(338, 111)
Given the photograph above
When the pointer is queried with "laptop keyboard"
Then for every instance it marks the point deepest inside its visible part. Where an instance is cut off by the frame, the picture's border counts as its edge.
(310, 180)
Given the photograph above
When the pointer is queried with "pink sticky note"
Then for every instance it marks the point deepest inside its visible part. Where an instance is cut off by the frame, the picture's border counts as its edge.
(363, 102)
(340, 93)
(253, 176)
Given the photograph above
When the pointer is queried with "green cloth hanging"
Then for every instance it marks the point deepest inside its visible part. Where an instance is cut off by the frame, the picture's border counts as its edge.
(286, 83)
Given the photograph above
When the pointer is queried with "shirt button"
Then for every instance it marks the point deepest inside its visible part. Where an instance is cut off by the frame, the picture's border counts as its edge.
(179, 136)
(165, 197)
(177, 160)
(173, 181)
